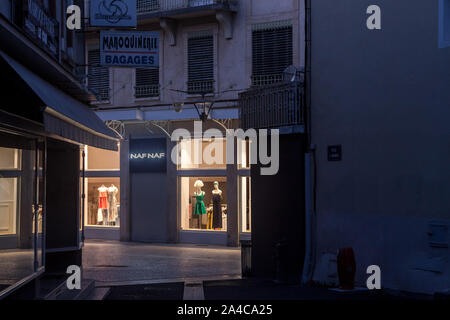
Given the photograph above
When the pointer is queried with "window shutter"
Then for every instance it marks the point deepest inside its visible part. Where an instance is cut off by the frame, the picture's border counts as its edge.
(98, 77)
(147, 82)
(200, 62)
(271, 51)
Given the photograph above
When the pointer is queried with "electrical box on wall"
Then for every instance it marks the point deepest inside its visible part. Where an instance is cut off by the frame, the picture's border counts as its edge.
(335, 153)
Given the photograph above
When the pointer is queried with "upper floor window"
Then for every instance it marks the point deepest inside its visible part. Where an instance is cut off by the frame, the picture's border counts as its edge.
(200, 62)
(147, 83)
(271, 51)
(444, 23)
(98, 76)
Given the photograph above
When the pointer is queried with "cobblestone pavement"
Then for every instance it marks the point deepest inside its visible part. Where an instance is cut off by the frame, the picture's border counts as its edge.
(114, 262)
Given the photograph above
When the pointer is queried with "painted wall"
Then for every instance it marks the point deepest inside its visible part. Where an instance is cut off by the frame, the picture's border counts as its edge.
(383, 95)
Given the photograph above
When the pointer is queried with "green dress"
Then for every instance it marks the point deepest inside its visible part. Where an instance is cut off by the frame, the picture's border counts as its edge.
(199, 204)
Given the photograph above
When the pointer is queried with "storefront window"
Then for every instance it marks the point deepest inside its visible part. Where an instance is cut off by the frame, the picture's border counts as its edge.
(9, 159)
(102, 189)
(203, 203)
(103, 160)
(20, 244)
(8, 205)
(202, 154)
(245, 203)
(103, 202)
(244, 154)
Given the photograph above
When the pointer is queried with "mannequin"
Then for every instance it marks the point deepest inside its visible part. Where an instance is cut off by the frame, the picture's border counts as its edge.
(217, 206)
(112, 202)
(103, 204)
(200, 208)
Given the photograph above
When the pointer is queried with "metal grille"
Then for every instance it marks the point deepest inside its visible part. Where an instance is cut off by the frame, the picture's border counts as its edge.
(147, 82)
(144, 6)
(271, 52)
(98, 76)
(200, 64)
(273, 106)
(147, 5)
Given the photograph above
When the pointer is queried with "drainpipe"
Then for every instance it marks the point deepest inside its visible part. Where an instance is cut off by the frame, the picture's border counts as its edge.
(309, 190)
(83, 193)
(308, 220)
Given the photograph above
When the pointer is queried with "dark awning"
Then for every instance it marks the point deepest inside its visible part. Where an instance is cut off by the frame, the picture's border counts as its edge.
(64, 115)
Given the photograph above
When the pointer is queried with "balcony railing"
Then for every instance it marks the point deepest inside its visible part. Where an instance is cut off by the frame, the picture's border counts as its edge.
(102, 94)
(200, 87)
(272, 106)
(147, 91)
(146, 6)
(264, 80)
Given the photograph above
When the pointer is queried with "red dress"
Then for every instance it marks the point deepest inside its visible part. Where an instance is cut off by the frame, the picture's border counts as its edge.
(102, 199)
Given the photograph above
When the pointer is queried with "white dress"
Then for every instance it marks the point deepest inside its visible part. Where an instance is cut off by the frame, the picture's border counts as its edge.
(112, 202)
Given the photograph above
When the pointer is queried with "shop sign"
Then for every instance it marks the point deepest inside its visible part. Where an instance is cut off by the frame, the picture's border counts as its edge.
(40, 24)
(148, 155)
(129, 48)
(113, 13)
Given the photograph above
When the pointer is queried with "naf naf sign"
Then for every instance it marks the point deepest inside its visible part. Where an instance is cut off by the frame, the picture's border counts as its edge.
(129, 49)
(113, 13)
(148, 155)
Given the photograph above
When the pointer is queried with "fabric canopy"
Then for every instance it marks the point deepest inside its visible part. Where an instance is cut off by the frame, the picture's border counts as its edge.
(64, 115)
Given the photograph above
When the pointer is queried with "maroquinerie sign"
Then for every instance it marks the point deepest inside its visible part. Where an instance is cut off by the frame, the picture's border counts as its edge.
(113, 13)
(129, 48)
(148, 155)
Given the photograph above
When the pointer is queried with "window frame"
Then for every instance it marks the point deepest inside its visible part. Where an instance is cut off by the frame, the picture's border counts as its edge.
(213, 28)
(269, 27)
(444, 24)
(96, 47)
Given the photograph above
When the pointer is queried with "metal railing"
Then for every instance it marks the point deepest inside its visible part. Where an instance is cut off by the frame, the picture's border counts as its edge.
(200, 86)
(145, 6)
(264, 80)
(272, 106)
(147, 91)
(102, 94)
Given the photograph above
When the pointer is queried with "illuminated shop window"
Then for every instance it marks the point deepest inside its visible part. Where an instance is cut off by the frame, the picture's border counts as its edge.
(9, 159)
(244, 153)
(8, 205)
(100, 159)
(202, 154)
(103, 202)
(245, 203)
(203, 203)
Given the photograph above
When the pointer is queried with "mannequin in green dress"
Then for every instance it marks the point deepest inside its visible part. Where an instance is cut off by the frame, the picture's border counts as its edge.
(200, 208)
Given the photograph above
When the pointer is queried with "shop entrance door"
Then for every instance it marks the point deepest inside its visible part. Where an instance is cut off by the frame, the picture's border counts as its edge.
(148, 207)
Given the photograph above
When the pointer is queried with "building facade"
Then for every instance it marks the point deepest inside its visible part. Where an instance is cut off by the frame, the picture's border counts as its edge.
(379, 107)
(44, 121)
(209, 52)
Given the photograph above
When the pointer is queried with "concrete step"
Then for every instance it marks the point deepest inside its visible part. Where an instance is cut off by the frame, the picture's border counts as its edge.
(99, 293)
(63, 293)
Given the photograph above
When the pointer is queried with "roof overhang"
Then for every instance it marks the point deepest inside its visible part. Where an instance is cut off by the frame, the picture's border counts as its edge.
(63, 115)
